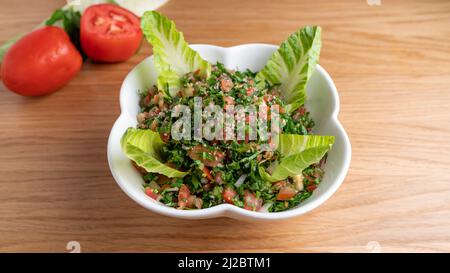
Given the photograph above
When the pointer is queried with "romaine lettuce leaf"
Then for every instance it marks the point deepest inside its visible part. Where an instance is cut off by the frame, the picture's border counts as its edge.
(293, 64)
(290, 144)
(169, 82)
(298, 152)
(145, 148)
(170, 50)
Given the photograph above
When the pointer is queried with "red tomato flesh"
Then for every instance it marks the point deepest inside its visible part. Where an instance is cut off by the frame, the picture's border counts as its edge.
(183, 196)
(109, 33)
(286, 193)
(151, 192)
(207, 173)
(228, 195)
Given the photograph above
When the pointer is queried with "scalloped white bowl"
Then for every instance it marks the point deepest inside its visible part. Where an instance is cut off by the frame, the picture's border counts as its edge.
(323, 103)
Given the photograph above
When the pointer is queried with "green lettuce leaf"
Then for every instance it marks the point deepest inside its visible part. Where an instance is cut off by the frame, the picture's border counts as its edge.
(290, 144)
(170, 50)
(145, 148)
(169, 82)
(298, 152)
(292, 65)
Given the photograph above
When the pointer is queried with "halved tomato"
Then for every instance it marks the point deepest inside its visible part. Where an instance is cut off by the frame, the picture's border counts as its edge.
(109, 33)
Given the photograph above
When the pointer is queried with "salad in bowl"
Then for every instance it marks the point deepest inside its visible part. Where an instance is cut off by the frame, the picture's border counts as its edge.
(208, 136)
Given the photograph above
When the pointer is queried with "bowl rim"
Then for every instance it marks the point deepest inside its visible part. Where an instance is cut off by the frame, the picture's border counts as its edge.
(229, 210)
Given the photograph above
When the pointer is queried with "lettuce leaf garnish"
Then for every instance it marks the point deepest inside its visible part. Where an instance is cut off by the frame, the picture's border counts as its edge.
(298, 152)
(292, 65)
(171, 52)
(169, 82)
(145, 148)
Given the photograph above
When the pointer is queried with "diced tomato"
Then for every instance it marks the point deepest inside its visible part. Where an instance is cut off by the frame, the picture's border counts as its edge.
(309, 178)
(267, 98)
(280, 184)
(228, 195)
(250, 91)
(226, 84)
(207, 173)
(165, 137)
(311, 188)
(208, 157)
(147, 100)
(183, 192)
(228, 101)
(286, 193)
(156, 99)
(300, 113)
(154, 112)
(152, 193)
(183, 196)
(251, 202)
(302, 110)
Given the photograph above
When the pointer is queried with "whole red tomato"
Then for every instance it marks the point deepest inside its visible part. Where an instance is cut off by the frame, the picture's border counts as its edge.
(41, 62)
(109, 33)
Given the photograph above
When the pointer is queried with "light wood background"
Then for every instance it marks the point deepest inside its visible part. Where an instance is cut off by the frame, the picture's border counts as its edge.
(391, 65)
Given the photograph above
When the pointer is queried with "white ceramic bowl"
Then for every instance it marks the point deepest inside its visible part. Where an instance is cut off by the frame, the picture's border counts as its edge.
(323, 103)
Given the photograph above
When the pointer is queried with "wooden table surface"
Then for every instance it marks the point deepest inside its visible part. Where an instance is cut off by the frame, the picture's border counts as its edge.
(391, 65)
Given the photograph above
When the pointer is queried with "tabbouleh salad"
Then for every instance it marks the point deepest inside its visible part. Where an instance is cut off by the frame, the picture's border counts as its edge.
(197, 174)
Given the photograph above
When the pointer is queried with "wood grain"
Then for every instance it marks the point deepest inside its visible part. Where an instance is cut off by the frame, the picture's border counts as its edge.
(391, 64)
